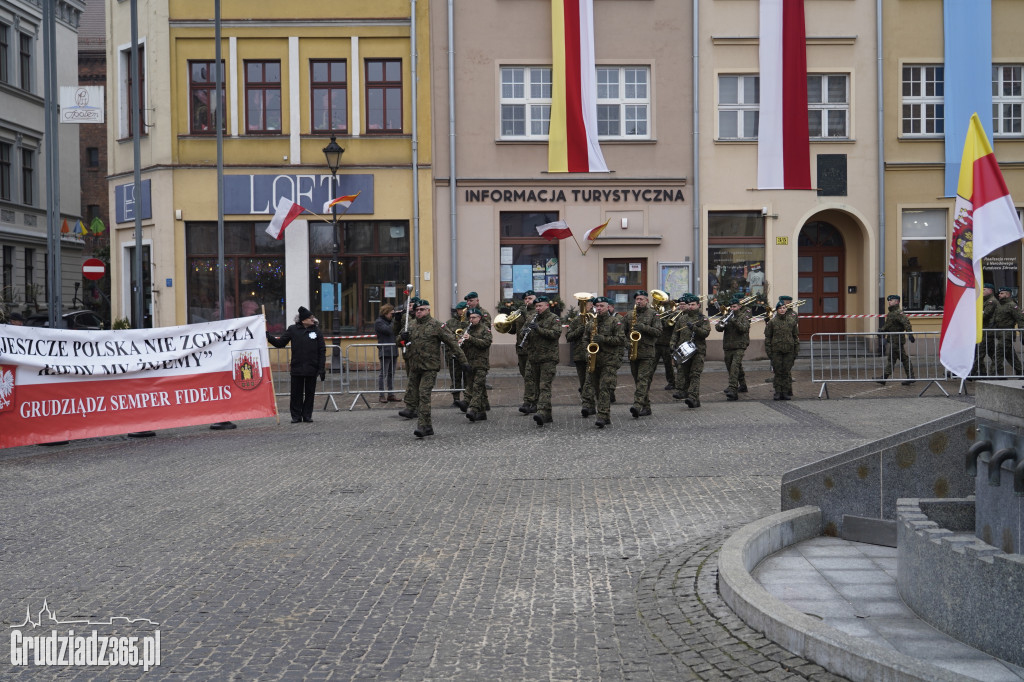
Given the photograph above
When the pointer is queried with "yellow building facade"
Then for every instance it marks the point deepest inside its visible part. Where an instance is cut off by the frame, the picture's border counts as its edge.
(295, 75)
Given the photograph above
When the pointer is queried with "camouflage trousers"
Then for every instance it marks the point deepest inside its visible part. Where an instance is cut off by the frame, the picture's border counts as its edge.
(663, 355)
(476, 389)
(643, 372)
(688, 376)
(1004, 353)
(599, 389)
(581, 373)
(539, 375)
(418, 393)
(782, 366)
(529, 389)
(734, 364)
(897, 352)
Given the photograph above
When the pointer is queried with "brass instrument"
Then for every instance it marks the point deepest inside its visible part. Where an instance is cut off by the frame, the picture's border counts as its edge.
(722, 318)
(669, 317)
(503, 324)
(770, 312)
(526, 334)
(659, 298)
(592, 348)
(583, 296)
(634, 338)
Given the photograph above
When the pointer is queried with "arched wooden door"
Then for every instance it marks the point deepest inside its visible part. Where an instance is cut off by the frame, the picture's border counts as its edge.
(820, 278)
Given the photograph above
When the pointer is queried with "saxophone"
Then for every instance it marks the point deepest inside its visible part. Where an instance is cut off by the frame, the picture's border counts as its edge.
(634, 338)
(592, 348)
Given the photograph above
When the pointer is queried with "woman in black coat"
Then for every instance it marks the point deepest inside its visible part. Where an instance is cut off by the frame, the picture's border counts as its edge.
(388, 352)
(309, 355)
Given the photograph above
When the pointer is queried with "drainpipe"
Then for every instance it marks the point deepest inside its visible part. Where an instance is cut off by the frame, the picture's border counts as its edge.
(696, 146)
(415, 150)
(451, 150)
(881, 158)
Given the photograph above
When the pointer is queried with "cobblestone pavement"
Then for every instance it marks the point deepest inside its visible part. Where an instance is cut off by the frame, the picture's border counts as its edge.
(348, 549)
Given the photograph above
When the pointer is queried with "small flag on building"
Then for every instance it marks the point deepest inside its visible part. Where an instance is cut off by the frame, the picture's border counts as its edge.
(79, 229)
(984, 219)
(555, 230)
(64, 229)
(343, 203)
(593, 232)
(287, 211)
(97, 226)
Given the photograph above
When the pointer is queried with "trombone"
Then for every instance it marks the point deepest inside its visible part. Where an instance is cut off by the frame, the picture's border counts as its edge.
(769, 313)
(723, 317)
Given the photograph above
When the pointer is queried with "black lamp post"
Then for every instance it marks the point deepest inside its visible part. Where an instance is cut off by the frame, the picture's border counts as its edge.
(333, 152)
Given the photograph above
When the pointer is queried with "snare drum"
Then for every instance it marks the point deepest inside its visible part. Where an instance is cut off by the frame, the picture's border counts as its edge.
(684, 352)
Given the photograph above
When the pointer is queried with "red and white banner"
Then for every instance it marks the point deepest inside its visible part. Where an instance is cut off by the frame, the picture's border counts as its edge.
(783, 139)
(62, 384)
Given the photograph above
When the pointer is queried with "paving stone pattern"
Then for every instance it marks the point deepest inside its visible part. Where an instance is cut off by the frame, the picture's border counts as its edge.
(347, 549)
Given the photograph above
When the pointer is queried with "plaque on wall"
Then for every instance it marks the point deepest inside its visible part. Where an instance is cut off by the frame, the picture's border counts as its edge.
(832, 175)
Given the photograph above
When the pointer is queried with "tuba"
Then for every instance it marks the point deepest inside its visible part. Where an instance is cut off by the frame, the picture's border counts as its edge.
(503, 324)
(659, 298)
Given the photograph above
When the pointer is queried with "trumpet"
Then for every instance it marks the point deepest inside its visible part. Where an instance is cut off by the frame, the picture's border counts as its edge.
(769, 313)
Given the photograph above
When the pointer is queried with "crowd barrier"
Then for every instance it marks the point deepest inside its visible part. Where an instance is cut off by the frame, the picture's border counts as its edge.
(334, 375)
(866, 356)
(364, 373)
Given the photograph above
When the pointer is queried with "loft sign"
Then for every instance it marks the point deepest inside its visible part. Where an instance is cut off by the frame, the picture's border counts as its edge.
(649, 195)
(259, 194)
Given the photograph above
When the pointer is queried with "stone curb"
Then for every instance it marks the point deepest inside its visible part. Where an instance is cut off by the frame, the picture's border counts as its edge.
(842, 654)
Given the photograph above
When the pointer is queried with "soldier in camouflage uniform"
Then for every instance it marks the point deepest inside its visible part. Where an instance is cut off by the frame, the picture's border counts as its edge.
(735, 326)
(477, 347)
(987, 347)
(896, 321)
(782, 343)
(608, 332)
(422, 362)
(1005, 318)
(644, 320)
(472, 300)
(663, 349)
(576, 335)
(693, 326)
(526, 311)
(459, 381)
(541, 334)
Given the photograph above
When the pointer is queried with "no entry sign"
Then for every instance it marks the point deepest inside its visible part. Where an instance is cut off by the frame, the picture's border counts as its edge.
(93, 268)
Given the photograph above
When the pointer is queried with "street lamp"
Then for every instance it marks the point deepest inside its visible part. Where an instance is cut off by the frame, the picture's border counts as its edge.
(333, 152)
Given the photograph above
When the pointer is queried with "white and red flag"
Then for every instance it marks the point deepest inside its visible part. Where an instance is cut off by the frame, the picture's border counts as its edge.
(783, 140)
(343, 203)
(555, 230)
(287, 211)
(984, 219)
(62, 384)
(594, 232)
(572, 133)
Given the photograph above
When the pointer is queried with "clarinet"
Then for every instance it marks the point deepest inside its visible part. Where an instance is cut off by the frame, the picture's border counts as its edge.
(526, 334)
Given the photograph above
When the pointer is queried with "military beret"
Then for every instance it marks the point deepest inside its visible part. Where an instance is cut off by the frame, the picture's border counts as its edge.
(1006, 289)
(472, 294)
(474, 311)
(602, 299)
(780, 304)
(422, 303)
(681, 299)
(736, 298)
(529, 292)
(593, 299)
(460, 305)
(542, 299)
(787, 299)
(641, 292)
(989, 285)
(892, 297)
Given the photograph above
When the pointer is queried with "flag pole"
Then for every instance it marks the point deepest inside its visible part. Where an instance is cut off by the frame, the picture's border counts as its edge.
(270, 368)
(582, 252)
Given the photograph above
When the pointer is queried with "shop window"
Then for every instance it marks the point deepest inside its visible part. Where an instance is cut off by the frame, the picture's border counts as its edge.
(623, 277)
(736, 254)
(924, 259)
(253, 273)
(329, 93)
(526, 260)
(202, 105)
(263, 96)
(383, 95)
(923, 101)
(1001, 268)
(354, 269)
(1007, 100)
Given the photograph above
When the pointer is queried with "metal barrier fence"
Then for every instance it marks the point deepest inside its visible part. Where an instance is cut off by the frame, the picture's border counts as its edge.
(334, 375)
(868, 356)
(364, 373)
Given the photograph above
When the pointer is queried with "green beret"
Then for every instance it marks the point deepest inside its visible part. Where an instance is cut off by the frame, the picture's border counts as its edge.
(892, 297)
(529, 292)
(472, 294)
(989, 285)
(1006, 289)
(422, 303)
(474, 311)
(641, 292)
(461, 304)
(601, 299)
(787, 299)
(542, 299)
(736, 298)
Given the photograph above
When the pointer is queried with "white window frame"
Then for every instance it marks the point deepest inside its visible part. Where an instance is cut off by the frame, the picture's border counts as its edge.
(922, 101)
(826, 109)
(1007, 100)
(748, 103)
(535, 106)
(630, 100)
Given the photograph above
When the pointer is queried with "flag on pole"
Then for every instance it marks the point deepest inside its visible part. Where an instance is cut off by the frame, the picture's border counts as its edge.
(783, 140)
(343, 203)
(287, 211)
(593, 232)
(555, 230)
(572, 133)
(984, 219)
